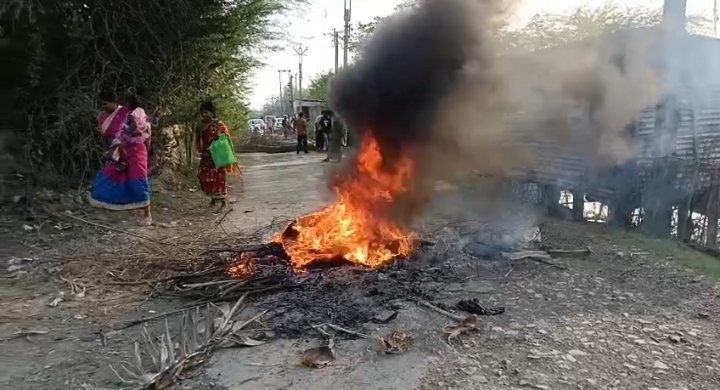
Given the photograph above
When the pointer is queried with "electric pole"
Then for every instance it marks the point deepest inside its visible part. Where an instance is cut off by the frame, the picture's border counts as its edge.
(292, 95)
(715, 19)
(346, 36)
(336, 42)
(300, 51)
(282, 101)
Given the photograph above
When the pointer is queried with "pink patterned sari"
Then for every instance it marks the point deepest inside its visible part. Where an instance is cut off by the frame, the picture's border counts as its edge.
(124, 183)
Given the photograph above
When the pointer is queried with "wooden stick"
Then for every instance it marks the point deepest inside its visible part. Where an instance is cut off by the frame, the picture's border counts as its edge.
(230, 314)
(539, 256)
(165, 279)
(206, 284)
(116, 230)
(250, 321)
(441, 311)
(139, 321)
(341, 329)
(564, 252)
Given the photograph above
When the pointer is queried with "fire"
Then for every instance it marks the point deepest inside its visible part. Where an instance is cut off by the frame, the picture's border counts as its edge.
(353, 228)
(243, 267)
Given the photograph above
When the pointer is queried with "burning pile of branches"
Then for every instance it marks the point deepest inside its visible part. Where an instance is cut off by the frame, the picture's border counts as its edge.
(357, 230)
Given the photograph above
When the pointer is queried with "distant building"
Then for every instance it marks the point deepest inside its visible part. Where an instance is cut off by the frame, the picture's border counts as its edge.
(310, 107)
(676, 140)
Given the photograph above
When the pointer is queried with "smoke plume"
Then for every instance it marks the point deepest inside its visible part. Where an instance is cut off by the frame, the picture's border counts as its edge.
(433, 83)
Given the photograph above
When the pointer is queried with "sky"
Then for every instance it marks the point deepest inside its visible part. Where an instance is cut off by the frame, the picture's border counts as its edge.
(324, 15)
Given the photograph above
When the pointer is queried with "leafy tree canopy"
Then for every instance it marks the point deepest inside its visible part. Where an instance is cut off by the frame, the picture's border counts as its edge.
(175, 53)
(547, 29)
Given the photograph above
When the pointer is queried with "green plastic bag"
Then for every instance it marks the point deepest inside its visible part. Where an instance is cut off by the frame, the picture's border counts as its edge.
(222, 152)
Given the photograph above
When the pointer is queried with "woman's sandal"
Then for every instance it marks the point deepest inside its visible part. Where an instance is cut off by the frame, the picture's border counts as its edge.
(146, 222)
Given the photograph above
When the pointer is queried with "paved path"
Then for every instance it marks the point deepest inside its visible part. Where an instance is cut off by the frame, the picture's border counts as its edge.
(277, 186)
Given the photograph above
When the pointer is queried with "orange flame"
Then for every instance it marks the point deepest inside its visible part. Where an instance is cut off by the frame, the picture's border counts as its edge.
(243, 267)
(348, 228)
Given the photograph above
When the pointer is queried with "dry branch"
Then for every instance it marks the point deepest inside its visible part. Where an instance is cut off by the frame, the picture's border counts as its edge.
(569, 252)
(170, 361)
(341, 329)
(539, 256)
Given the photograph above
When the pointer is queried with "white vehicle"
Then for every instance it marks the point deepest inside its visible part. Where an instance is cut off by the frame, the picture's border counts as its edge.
(257, 126)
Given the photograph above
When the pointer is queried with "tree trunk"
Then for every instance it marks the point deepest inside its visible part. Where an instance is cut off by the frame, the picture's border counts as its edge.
(712, 216)
(578, 205)
(552, 200)
(683, 231)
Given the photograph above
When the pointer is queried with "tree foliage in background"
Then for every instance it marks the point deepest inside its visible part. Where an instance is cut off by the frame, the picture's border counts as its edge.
(318, 87)
(545, 30)
(176, 53)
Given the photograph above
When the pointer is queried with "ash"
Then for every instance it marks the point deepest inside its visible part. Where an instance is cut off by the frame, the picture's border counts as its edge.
(351, 297)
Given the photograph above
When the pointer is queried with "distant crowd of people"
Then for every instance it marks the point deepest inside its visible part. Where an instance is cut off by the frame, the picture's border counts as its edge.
(328, 133)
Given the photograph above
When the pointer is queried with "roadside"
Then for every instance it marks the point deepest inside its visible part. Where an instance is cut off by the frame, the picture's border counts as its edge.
(610, 320)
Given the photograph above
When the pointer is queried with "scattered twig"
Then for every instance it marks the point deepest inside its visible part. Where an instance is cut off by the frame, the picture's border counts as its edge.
(569, 252)
(250, 321)
(211, 283)
(25, 333)
(252, 378)
(131, 323)
(341, 329)
(539, 256)
(441, 311)
(116, 230)
(165, 279)
(509, 271)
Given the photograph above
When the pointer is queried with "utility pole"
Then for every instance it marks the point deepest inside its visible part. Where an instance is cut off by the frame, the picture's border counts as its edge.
(280, 72)
(292, 95)
(346, 37)
(715, 18)
(336, 42)
(300, 51)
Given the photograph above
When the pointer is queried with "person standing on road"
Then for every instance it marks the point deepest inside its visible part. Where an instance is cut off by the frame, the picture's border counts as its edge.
(286, 127)
(302, 135)
(213, 180)
(319, 138)
(325, 128)
(336, 136)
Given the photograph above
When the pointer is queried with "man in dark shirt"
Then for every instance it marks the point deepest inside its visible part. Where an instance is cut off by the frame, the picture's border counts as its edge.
(301, 129)
(335, 132)
(285, 127)
(324, 126)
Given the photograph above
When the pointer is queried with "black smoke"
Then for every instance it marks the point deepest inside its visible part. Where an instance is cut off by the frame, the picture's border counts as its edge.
(412, 62)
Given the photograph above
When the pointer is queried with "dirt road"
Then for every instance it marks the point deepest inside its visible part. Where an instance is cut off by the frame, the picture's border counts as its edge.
(277, 187)
(607, 321)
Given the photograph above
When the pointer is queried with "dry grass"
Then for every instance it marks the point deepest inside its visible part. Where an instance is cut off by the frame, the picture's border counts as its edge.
(687, 258)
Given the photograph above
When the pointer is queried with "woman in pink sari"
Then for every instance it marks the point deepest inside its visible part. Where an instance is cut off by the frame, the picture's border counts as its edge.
(123, 183)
